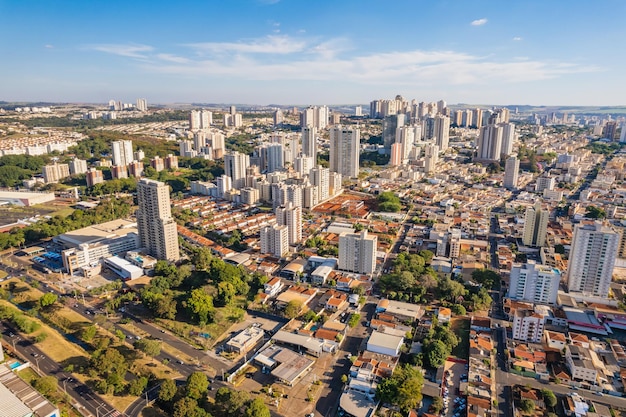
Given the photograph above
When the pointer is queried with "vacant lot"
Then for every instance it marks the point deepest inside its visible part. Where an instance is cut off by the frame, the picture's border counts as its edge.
(461, 327)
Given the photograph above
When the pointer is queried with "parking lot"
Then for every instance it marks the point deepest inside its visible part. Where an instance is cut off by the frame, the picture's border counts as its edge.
(454, 403)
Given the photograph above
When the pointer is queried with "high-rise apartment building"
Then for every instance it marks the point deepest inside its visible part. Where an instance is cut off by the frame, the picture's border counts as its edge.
(122, 152)
(511, 173)
(275, 240)
(309, 142)
(94, 176)
(357, 252)
(135, 169)
(390, 125)
(592, 259)
(142, 104)
(489, 143)
(431, 157)
(291, 216)
(78, 166)
(315, 116)
(200, 119)
(235, 165)
(534, 283)
(320, 177)
(528, 326)
(157, 228)
(535, 225)
(344, 150)
(55, 172)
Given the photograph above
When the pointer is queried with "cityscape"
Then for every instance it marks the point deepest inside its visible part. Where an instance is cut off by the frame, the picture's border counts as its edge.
(274, 213)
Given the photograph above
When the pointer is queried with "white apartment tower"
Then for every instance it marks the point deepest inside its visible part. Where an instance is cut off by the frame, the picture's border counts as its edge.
(592, 259)
(275, 240)
(142, 104)
(320, 177)
(78, 166)
(291, 216)
(157, 228)
(535, 225)
(490, 143)
(528, 326)
(235, 165)
(357, 252)
(55, 172)
(122, 151)
(344, 151)
(511, 173)
(200, 119)
(534, 283)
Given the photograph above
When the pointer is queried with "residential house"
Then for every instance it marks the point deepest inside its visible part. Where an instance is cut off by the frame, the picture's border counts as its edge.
(273, 287)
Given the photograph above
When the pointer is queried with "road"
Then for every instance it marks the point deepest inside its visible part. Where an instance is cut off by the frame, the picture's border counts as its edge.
(80, 393)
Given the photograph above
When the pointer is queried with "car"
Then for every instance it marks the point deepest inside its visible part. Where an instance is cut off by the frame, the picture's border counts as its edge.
(599, 394)
(180, 362)
(162, 331)
(34, 355)
(137, 337)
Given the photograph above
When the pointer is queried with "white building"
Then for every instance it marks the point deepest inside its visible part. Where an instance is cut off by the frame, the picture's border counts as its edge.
(384, 344)
(592, 259)
(357, 252)
(157, 228)
(122, 152)
(511, 173)
(534, 283)
(78, 166)
(528, 326)
(291, 216)
(309, 141)
(55, 172)
(275, 240)
(580, 364)
(235, 165)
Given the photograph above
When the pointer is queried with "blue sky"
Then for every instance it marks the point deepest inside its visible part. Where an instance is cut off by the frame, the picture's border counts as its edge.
(557, 52)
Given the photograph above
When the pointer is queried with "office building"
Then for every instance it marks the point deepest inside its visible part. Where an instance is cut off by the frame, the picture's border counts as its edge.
(534, 283)
(122, 152)
(309, 142)
(511, 173)
(592, 259)
(290, 215)
(55, 172)
(344, 150)
(357, 252)
(275, 240)
(157, 228)
(535, 225)
(78, 166)
(94, 176)
(235, 165)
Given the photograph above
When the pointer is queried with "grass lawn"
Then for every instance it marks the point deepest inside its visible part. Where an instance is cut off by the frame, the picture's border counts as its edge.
(3, 274)
(28, 375)
(461, 327)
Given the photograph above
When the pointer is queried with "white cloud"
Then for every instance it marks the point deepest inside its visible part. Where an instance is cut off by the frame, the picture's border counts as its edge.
(129, 50)
(173, 58)
(271, 44)
(517, 38)
(479, 22)
(48, 46)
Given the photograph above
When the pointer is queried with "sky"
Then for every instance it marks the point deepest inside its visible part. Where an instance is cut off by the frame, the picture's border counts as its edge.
(535, 52)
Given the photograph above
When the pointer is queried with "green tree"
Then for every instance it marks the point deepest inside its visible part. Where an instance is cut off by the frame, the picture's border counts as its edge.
(137, 386)
(150, 347)
(293, 308)
(231, 401)
(197, 385)
(89, 333)
(225, 293)
(437, 405)
(46, 385)
(437, 353)
(257, 408)
(186, 407)
(47, 299)
(527, 406)
(168, 390)
(354, 320)
(200, 305)
(548, 397)
(593, 212)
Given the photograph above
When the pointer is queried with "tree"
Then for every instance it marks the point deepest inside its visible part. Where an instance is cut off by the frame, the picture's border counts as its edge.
(231, 401)
(225, 293)
(403, 389)
(527, 406)
(293, 309)
(548, 397)
(593, 212)
(487, 278)
(47, 299)
(354, 320)
(46, 385)
(389, 202)
(437, 405)
(168, 390)
(137, 386)
(88, 333)
(458, 309)
(200, 304)
(257, 408)
(437, 352)
(197, 385)
(150, 347)
(186, 407)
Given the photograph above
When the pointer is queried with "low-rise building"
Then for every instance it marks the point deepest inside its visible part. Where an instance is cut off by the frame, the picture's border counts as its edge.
(18, 398)
(273, 287)
(528, 326)
(384, 343)
(245, 340)
(579, 363)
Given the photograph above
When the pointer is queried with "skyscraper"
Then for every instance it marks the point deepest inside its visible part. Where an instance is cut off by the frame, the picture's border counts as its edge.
(142, 104)
(390, 125)
(534, 283)
(200, 119)
(122, 151)
(235, 165)
(535, 225)
(592, 259)
(344, 151)
(489, 143)
(157, 228)
(357, 252)
(511, 173)
(320, 177)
